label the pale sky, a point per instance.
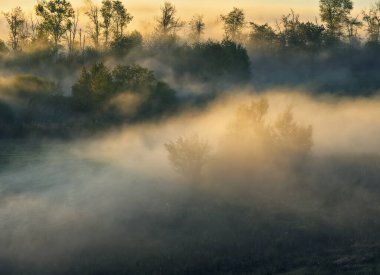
(144, 11)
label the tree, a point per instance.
(251, 129)
(3, 48)
(71, 33)
(94, 29)
(289, 136)
(188, 155)
(122, 45)
(197, 27)
(291, 34)
(312, 34)
(168, 22)
(121, 18)
(93, 88)
(106, 12)
(263, 36)
(300, 35)
(352, 26)
(57, 17)
(335, 13)
(234, 23)
(17, 27)
(133, 78)
(372, 20)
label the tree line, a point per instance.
(56, 22)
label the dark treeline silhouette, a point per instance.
(83, 63)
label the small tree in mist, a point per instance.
(197, 27)
(234, 23)
(290, 136)
(56, 17)
(249, 124)
(372, 21)
(168, 22)
(188, 155)
(18, 30)
(251, 129)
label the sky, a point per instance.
(145, 11)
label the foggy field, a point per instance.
(176, 151)
(114, 204)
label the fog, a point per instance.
(114, 203)
(210, 146)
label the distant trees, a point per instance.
(292, 34)
(96, 86)
(168, 22)
(212, 60)
(372, 21)
(234, 22)
(57, 16)
(300, 35)
(335, 14)
(197, 27)
(251, 128)
(109, 21)
(93, 13)
(263, 37)
(122, 45)
(17, 27)
(121, 18)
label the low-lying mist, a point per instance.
(285, 182)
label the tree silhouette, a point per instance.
(57, 17)
(372, 20)
(17, 27)
(168, 22)
(188, 155)
(251, 129)
(335, 13)
(234, 22)
(93, 14)
(197, 27)
(290, 136)
(121, 18)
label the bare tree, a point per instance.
(168, 22)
